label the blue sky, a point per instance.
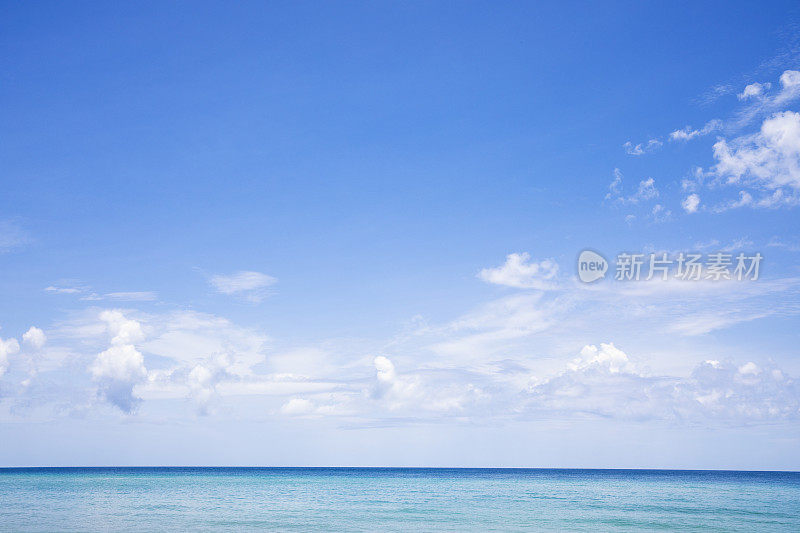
(281, 234)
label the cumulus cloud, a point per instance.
(34, 337)
(604, 382)
(769, 159)
(520, 272)
(417, 394)
(754, 89)
(247, 284)
(120, 368)
(725, 391)
(607, 356)
(7, 347)
(204, 377)
(298, 407)
(760, 102)
(691, 203)
(790, 88)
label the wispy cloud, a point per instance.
(133, 296)
(642, 148)
(687, 133)
(250, 285)
(12, 236)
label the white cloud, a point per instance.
(7, 347)
(691, 203)
(615, 187)
(12, 236)
(248, 284)
(608, 356)
(34, 337)
(754, 89)
(132, 296)
(661, 213)
(518, 271)
(790, 87)
(136, 296)
(642, 148)
(305, 407)
(646, 191)
(204, 378)
(62, 290)
(122, 330)
(769, 159)
(687, 133)
(702, 323)
(122, 363)
(746, 393)
(417, 394)
(604, 383)
(298, 407)
(763, 103)
(120, 368)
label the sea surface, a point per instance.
(395, 499)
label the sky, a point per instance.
(305, 233)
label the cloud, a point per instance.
(132, 296)
(137, 296)
(760, 102)
(691, 203)
(7, 347)
(121, 329)
(642, 148)
(519, 272)
(418, 394)
(62, 290)
(660, 213)
(12, 236)
(646, 191)
(204, 378)
(702, 323)
(754, 89)
(34, 337)
(608, 356)
(248, 284)
(769, 159)
(604, 382)
(790, 88)
(687, 133)
(298, 407)
(120, 368)
(742, 393)
(306, 407)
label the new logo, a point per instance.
(591, 266)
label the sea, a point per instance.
(395, 499)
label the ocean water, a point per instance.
(395, 499)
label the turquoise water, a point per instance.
(356, 499)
